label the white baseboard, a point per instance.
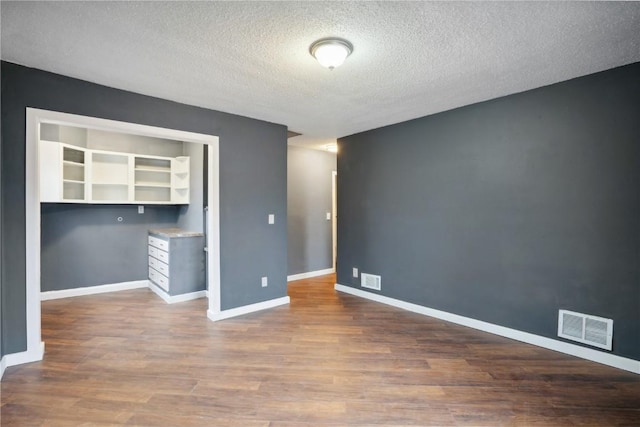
(124, 286)
(172, 299)
(91, 290)
(310, 274)
(246, 309)
(14, 359)
(3, 366)
(619, 362)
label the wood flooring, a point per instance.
(327, 359)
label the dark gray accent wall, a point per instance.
(309, 190)
(505, 211)
(253, 177)
(1, 271)
(86, 245)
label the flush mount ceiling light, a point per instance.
(333, 148)
(331, 52)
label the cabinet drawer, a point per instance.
(153, 275)
(153, 251)
(162, 256)
(153, 262)
(162, 268)
(163, 282)
(159, 243)
(159, 279)
(159, 265)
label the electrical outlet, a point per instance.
(140, 209)
(272, 219)
(265, 282)
(355, 272)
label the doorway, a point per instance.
(36, 117)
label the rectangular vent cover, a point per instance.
(370, 281)
(584, 328)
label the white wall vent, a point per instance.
(370, 281)
(584, 328)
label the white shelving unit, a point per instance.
(73, 174)
(152, 178)
(109, 177)
(70, 174)
(180, 179)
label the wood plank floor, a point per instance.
(328, 359)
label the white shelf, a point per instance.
(152, 185)
(73, 174)
(152, 169)
(70, 163)
(110, 183)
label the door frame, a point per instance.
(34, 117)
(334, 214)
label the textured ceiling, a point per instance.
(410, 59)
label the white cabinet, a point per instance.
(62, 172)
(70, 174)
(176, 260)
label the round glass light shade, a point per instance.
(331, 53)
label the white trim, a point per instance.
(213, 229)
(246, 309)
(334, 219)
(124, 286)
(91, 290)
(36, 116)
(3, 366)
(32, 223)
(310, 274)
(172, 299)
(28, 356)
(619, 362)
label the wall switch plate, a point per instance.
(140, 209)
(355, 272)
(265, 282)
(272, 219)
(328, 216)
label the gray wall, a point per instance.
(1, 271)
(85, 245)
(507, 210)
(252, 183)
(308, 201)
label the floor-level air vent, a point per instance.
(370, 281)
(584, 328)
